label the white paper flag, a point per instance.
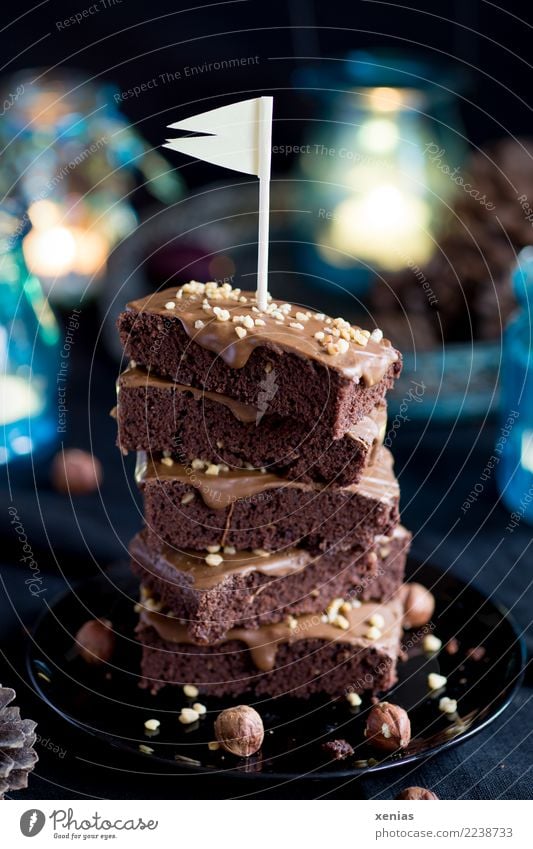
(240, 138)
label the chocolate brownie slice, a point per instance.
(158, 415)
(391, 553)
(196, 507)
(300, 656)
(287, 360)
(247, 590)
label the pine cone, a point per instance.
(17, 736)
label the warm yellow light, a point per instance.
(385, 99)
(366, 174)
(378, 135)
(58, 251)
(91, 252)
(43, 214)
(384, 225)
(387, 206)
(18, 399)
(50, 252)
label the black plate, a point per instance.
(107, 702)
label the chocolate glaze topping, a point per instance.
(367, 362)
(222, 490)
(263, 642)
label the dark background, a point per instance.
(131, 41)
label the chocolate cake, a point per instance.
(391, 552)
(159, 416)
(300, 656)
(215, 338)
(272, 557)
(247, 589)
(199, 506)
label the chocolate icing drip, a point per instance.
(369, 429)
(277, 564)
(219, 491)
(263, 642)
(369, 363)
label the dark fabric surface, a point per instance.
(437, 467)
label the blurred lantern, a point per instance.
(374, 170)
(29, 339)
(72, 159)
(64, 254)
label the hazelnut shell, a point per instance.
(76, 472)
(388, 727)
(95, 641)
(416, 793)
(240, 730)
(419, 605)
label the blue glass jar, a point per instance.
(514, 447)
(29, 347)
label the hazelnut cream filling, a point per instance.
(364, 626)
(369, 429)
(219, 486)
(208, 570)
(138, 378)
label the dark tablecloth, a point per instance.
(437, 467)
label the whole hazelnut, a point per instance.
(76, 472)
(388, 727)
(419, 605)
(239, 730)
(96, 641)
(414, 793)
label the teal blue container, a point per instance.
(514, 447)
(29, 351)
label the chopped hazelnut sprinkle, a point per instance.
(335, 338)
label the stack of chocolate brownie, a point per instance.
(272, 557)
